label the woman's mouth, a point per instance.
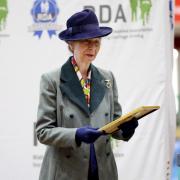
(90, 55)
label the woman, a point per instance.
(75, 100)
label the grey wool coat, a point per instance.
(62, 109)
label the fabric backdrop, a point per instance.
(139, 52)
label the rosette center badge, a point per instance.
(44, 13)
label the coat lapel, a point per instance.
(71, 87)
(97, 88)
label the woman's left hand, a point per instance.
(128, 128)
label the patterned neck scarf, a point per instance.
(85, 83)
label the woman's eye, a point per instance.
(97, 43)
(85, 41)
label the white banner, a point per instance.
(139, 52)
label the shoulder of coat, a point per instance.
(53, 75)
(105, 73)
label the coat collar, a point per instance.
(71, 87)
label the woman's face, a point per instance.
(85, 50)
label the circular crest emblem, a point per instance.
(44, 11)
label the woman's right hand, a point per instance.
(87, 134)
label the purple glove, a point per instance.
(87, 135)
(128, 128)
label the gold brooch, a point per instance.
(108, 83)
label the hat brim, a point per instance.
(101, 32)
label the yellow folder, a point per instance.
(135, 114)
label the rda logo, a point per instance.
(3, 13)
(144, 6)
(44, 13)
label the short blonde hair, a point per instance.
(69, 46)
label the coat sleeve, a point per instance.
(117, 110)
(46, 127)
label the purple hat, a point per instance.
(83, 25)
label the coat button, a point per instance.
(108, 153)
(68, 156)
(106, 114)
(71, 116)
(87, 115)
(107, 140)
